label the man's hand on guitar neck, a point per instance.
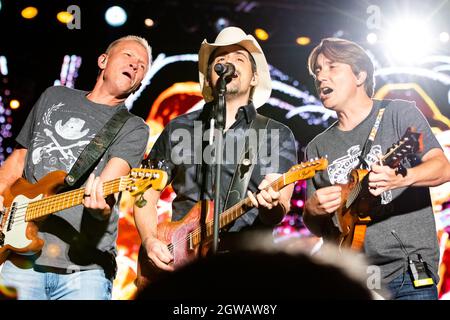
(272, 205)
(432, 171)
(94, 200)
(383, 178)
(267, 198)
(158, 253)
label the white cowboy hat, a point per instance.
(231, 36)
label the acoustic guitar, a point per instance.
(353, 215)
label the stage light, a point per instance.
(303, 41)
(0, 5)
(115, 16)
(444, 37)
(408, 40)
(14, 104)
(372, 38)
(261, 34)
(29, 12)
(149, 22)
(221, 23)
(3, 66)
(64, 17)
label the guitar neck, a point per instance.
(40, 208)
(298, 172)
(390, 159)
(231, 214)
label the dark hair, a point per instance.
(348, 52)
(255, 275)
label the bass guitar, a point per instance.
(26, 202)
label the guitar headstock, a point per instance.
(143, 179)
(410, 144)
(305, 170)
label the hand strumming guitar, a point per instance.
(158, 253)
(324, 201)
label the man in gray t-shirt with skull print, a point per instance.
(77, 260)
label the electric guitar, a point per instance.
(26, 202)
(353, 215)
(190, 237)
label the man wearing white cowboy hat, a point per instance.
(249, 87)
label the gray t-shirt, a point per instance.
(408, 211)
(60, 125)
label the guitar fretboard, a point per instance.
(233, 213)
(52, 204)
(390, 159)
(297, 172)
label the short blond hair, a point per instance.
(142, 41)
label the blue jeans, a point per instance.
(402, 288)
(34, 285)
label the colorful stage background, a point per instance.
(37, 52)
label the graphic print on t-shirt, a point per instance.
(60, 143)
(339, 169)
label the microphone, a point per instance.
(225, 69)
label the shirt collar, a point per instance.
(248, 111)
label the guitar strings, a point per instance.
(59, 199)
(198, 230)
(209, 224)
(355, 192)
(56, 199)
(73, 193)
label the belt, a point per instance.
(27, 262)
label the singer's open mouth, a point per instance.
(326, 90)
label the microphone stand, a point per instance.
(219, 111)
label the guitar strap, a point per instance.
(372, 135)
(92, 153)
(248, 159)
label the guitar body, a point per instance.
(185, 249)
(357, 202)
(191, 237)
(352, 222)
(18, 235)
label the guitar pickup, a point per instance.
(191, 242)
(11, 216)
